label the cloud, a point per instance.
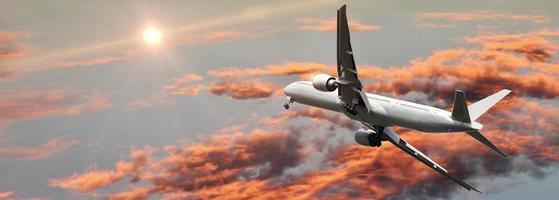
(279, 160)
(95, 178)
(534, 46)
(239, 165)
(218, 160)
(483, 15)
(90, 62)
(72, 59)
(156, 99)
(478, 72)
(184, 86)
(243, 89)
(190, 85)
(287, 68)
(313, 113)
(134, 193)
(22, 105)
(9, 47)
(4, 195)
(51, 147)
(433, 25)
(329, 25)
(226, 35)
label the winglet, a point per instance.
(460, 109)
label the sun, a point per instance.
(152, 35)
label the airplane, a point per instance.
(378, 114)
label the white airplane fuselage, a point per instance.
(386, 111)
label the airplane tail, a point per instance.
(467, 114)
(478, 108)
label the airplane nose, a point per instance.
(289, 90)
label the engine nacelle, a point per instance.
(368, 137)
(324, 82)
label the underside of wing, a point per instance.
(346, 63)
(395, 139)
(350, 88)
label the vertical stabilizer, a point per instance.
(460, 109)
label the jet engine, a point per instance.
(368, 137)
(324, 82)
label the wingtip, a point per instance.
(503, 154)
(474, 189)
(470, 188)
(343, 7)
(500, 152)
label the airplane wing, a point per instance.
(350, 88)
(395, 139)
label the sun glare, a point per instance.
(152, 35)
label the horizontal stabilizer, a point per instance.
(479, 137)
(460, 109)
(478, 108)
(395, 139)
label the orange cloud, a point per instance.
(90, 62)
(132, 194)
(287, 68)
(271, 164)
(184, 86)
(226, 35)
(248, 89)
(220, 159)
(478, 72)
(533, 46)
(433, 25)
(323, 25)
(358, 172)
(313, 113)
(95, 178)
(188, 86)
(483, 15)
(22, 105)
(9, 49)
(4, 195)
(48, 149)
(236, 166)
(156, 99)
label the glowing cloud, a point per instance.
(323, 25)
(48, 149)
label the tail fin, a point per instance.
(478, 108)
(463, 113)
(460, 110)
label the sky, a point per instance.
(183, 99)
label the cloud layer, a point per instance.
(329, 25)
(48, 149)
(256, 164)
(304, 160)
(22, 105)
(483, 15)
